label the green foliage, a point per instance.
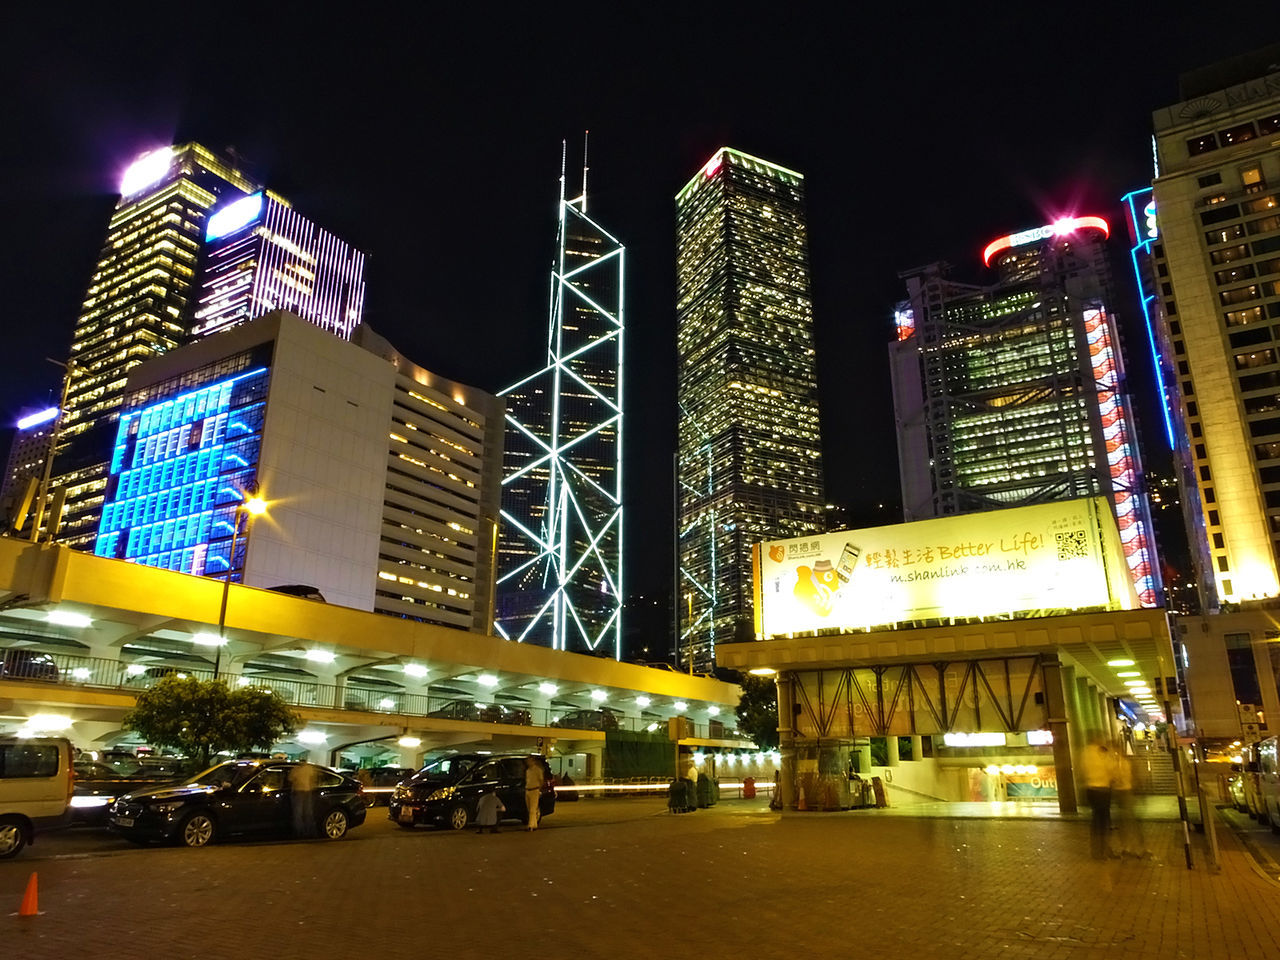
(204, 717)
(758, 711)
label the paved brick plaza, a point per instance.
(624, 879)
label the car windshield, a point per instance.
(442, 769)
(222, 773)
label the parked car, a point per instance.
(98, 784)
(239, 797)
(444, 792)
(480, 712)
(1268, 753)
(21, 664)
(600, 719)
(36, 777)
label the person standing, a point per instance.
(302, 799)
(533, 781)
(1098, 765)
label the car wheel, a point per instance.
(197, 830)
(458, 817)
(13, 837)
(335, 824)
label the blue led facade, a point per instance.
(179, 468)
(1144, 232)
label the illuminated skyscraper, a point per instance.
(1217, 299)
(560, 569)
(1013, 394)
(261, 255)
(137, 307)
(749, 459)
(382, 478)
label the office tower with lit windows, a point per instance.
(28, 452)
(749, 461)
(262, 255)
(1012, 393)
(137, 307)
(560, 577)
(381, 478)
(1216, 297)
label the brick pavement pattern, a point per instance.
(623, 879)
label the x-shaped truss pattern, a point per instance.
(560, 559)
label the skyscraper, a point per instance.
(382, 478)
(1012, 393)
(560, 570)
(137, 307)
(1217, 262)
(262, 255)
(749, 459)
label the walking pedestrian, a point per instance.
(1129, 839)
(533, 781)
(487, 809)
(1098, 764)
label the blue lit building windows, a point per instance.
(179, 468)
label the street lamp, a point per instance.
(254, 506)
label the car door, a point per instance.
(487, 776)
(511, 789)
(261, 805)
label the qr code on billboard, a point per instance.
(1072, 544)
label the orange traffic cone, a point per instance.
(29, 906)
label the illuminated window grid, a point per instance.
(178, 470)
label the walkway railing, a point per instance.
(106, 674)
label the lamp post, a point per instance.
(253, 506)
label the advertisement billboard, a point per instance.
(1021, 561)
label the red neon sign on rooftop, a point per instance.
(1059, 228)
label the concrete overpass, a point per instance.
(112, 628)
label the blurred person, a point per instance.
(1129, 839)
(1098, 767)
(533, 780)
(487, 809)
(302, 799)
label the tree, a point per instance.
(204, 717)
(758, 711)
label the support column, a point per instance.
(891, 751)
(917, 747)
(786, 741)
(1055, 710)
(863, 746)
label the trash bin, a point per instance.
(748, 788)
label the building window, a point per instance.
(1210, 179)
(1251, 177)
(1269, 125)
(1204, 144)
(1193, 410)
(1204, 474)
(1213, 518)
(1209, 496)
(1200, 451)
(1222, 564)
(1237, 134)
(1217, 542)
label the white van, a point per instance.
(36, 780)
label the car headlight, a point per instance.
(401, 793)
(167, 807)
(444, 793)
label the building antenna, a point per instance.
(564, 153)
(586, 134)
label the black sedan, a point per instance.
(98, 784)
(242, 798)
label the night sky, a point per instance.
(432, 141)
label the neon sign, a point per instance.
(233, 216)
(146, 170)
(35, 419)
(1059, 228)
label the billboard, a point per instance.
(1021, 561)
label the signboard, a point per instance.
(1052, 556)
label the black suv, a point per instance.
(444, 792)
